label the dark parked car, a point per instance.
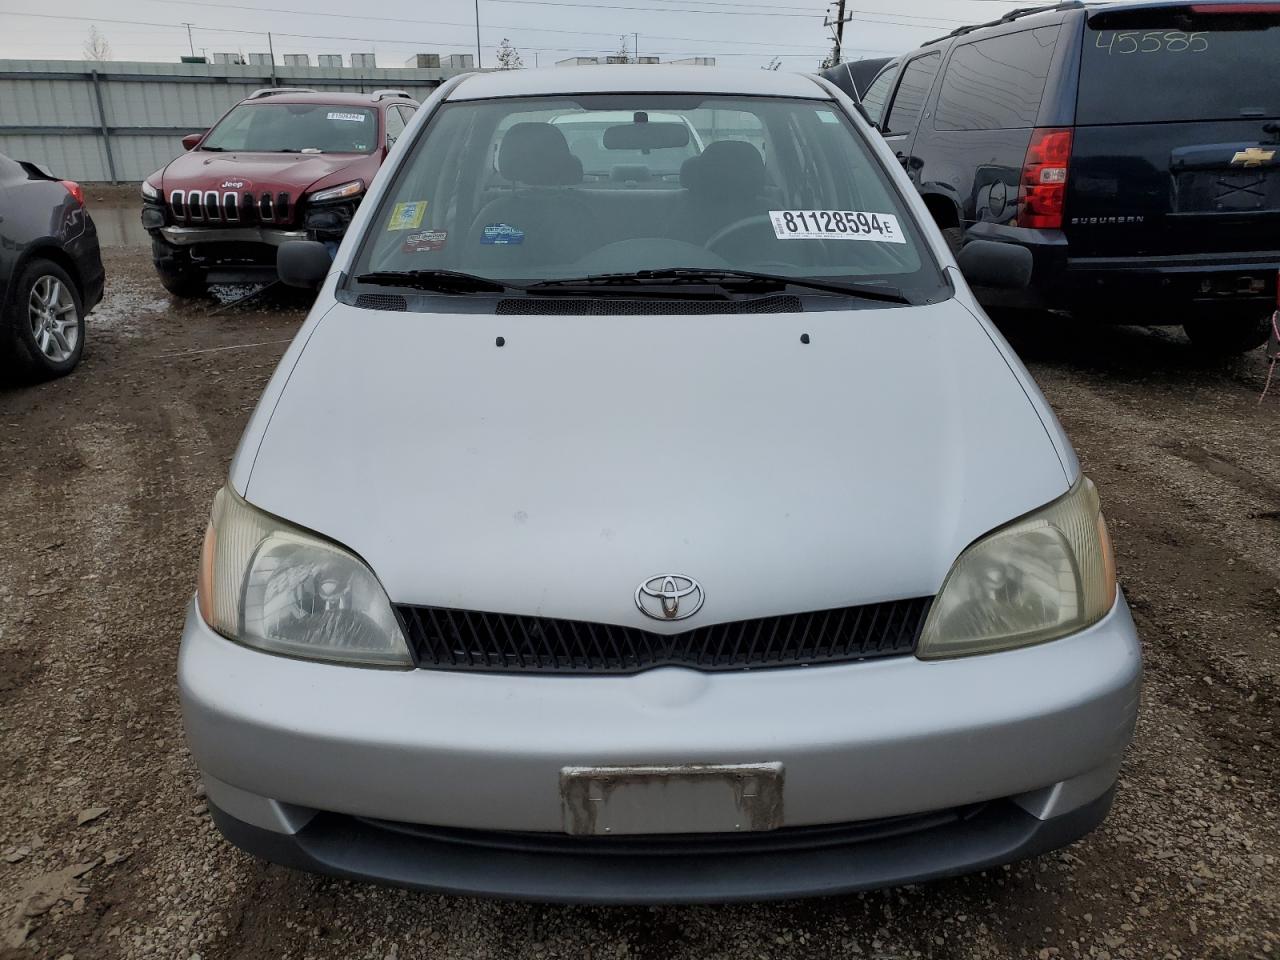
(854, 76)
(283, 164)
(1133, 147)
(50, 270)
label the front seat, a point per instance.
(723, 184)
(541, 220)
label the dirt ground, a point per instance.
(107, 849)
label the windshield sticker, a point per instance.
(424, 242)
(502, 234)
(349, 117)
(836, 225)
(407, 216)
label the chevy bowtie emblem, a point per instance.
(1253, 157)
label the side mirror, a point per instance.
(986, 263)
(190, 141)
(303, 263)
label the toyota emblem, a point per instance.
(669, 596)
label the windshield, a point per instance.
(532, 189)
(294, 128)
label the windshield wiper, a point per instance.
(214, 149)
(728, 279)
(443, 281)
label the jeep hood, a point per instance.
(555, 473)
(292, 173)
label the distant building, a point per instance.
(228, 58)
(617, 58)
(193, 60)
(329, 60)
(695, 62)
(461, 61)
(424, 61)
(261, 59)
(297, 60)
(578, 62)
(649, 60)
(363, 60)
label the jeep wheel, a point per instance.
(1225, 336)
(175, 272)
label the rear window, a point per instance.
(997, 83)
(1180, 64)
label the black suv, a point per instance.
(1134, 148)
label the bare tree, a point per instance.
(774, 64)
(624, 49)
(508, 57)
(96, 47)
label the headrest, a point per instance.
(538, 154)
(726, 168)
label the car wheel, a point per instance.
(178, 279)
(44, 322)
(1223, 336)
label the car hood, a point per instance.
(256, 172)
(553, 474)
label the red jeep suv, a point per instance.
(283, 164)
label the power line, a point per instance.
(469, 25)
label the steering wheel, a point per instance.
(738, 226)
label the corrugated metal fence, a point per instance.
(121, 121)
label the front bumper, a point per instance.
(310, 753)
(189, 236)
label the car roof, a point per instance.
(636, 78)
(340, 99)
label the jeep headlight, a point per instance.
(1046, 575)
(150, 192)
(345, 191)
(270, 585)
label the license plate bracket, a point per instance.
(681, 798)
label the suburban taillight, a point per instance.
(75, 190)
(1044, 179)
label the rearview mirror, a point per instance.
(986, 263)
(303, 263)
(191, 139)
(646, 136)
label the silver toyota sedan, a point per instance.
(647, 512)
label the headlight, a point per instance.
(343, 192)
(1044, 576)
(149, 192)
(272, 586)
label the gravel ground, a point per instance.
(107, 850)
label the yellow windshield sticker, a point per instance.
(407, 216)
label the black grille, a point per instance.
(382, 301)
(629, 306)
(445, 639)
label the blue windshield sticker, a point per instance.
(502, 234)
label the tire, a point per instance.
(1227, 336)
(189, 286)
(43, 323)
(179, 279)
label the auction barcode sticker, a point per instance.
(836, 225)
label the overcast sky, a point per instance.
(740, 34)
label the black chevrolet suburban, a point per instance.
(1133, 147)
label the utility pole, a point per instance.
(838, 23)
(478, 34)
(271, 47)
(190, 43)
(635, 48)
